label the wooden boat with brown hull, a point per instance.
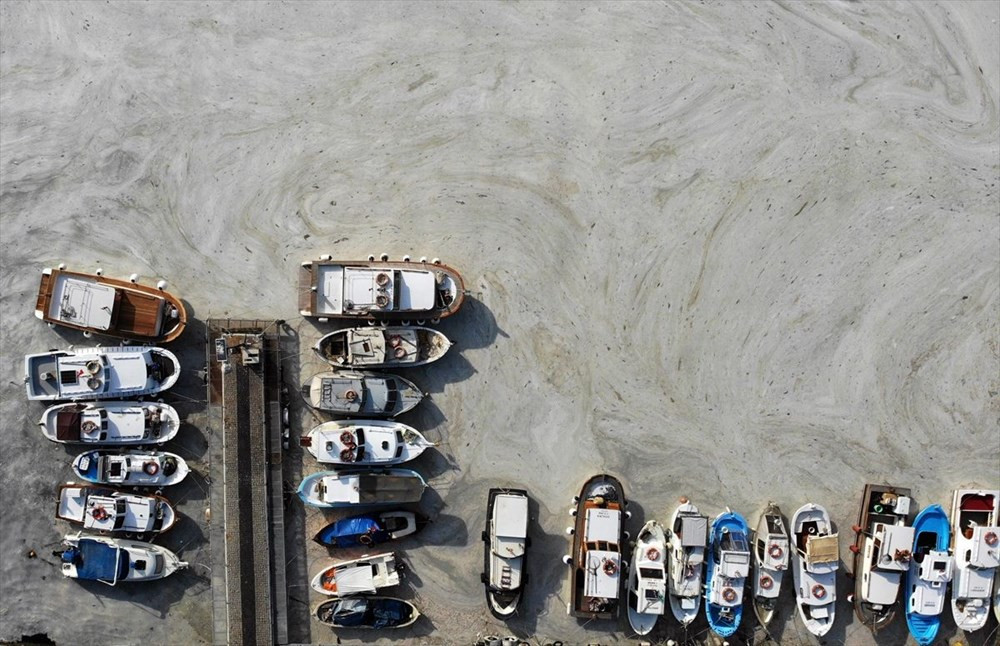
(379, 290)
(598, 540)
(882, 553)
(97, 304)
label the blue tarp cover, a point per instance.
(348, 532)
(96, 561)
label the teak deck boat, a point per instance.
(117, 308)
(379, 289)
(596, 560)
(882, 553)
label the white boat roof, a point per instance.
(342, 489)
(355, 578)
(895, 539)
(597, 582)
(510, 524)
(82, 302)
(356, 289)
(603, 525)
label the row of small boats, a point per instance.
(896, 561)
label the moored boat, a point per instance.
(930, 570)
(379, 290)
(364, 442)
(976, 546)
(110, 423)
(363, 575)
(135, 468)
(815, 559)
(367, 612)
(382, 347)
(596, 560)
(370, 529)
(687, 537)
(350, 488)
(103, 509)
(505, 545)
(100, 373)
(770, 557)
(647, 578)
(882, 552)
(115, 560)
(361, 394)
(117, 308)
(726, 571)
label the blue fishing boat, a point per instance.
(370, 529)
(728, 566)
(351, 488)
(930, 571)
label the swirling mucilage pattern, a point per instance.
(741, 252)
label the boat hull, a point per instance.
(99, 373)
(685, 586)
(503, 601)
(110, 423)
(770, 562)
(599, 596)
(84, 505)
(361, 394)
(134, 312)
(724, 620)
(358, 443)
(389, 347)
(373, 488)
(876, 618)
(647, 594)
(324, 290)
(394, 614)
(931, 523)
(816, 605)
(975, 514)
(131, 468)
(364, 530)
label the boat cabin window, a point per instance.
(140, 564)
(653, 595)
(650, 573)
(67, 377)
(361, 437)
(734, 542)
(399, 451)
(159, 563)
(361, 453)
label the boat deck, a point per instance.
(139, 314)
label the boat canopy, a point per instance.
(376, 613)
(510, 523)
(603, 525)
(354, 578)
(350, 532)
(83, 302)
(693, 531)
(389, 488)
(97, 561)
(822, 549)
(601, 579)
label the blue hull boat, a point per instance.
(727, 568)
(929, 573)
(370, 529)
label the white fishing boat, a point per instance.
(976, 536)
(815, 560)
(364, 575)
(115, 560)
(382, 347)
(379, 289)
(136, 468)
(350, 488)
(110, 423)
(647, 578)
(882, 552)
(770, 557)
(361, 394)
(687, 537)
(505, 543)
(364, 442)
(100, 373)
(107, 510)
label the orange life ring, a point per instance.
(99, 513)
(88, 427)
(818, 591)
(365, 539)
(395, 340)
(991, 538)
(610, 568)
(400, 352)
(347, 439)
(347, 455)
(351, 395)
(766, 582)
(382, 300)
(151, 468)
(729, 595)
(653, 554)
(775, 551)
(382, 279)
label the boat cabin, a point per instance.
(89, 423)
(733, 555)
(933, 574)
(888, 557)
(352, 395)
(358, 291)
(365, 576)
(508, 541)
(600, 558)
(369, 489)
(691, 532)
